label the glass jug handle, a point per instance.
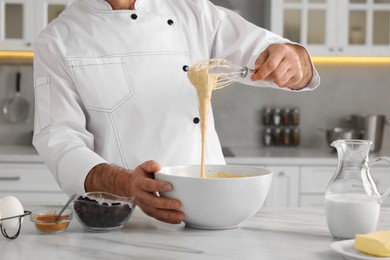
(375, 161)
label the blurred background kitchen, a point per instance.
(330, 29)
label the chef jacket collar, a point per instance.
(103, 5)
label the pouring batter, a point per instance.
(204, 83)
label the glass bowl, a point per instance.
(45, 220)
(102, 212)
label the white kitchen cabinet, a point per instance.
(335, 27)
(313, 183)
(22, 20)
(47, 10)
(284, 189)
(16, 24)
(31, 183)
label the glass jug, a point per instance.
(352, 200)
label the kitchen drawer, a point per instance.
(26, 177)
(284, 191)
(315, 179)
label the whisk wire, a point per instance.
(227, 72)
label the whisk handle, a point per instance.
(246, 71)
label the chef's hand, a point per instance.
(145, 187)
(139, 183)
(286, 65)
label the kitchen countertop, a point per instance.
(282, 156)
(233, 155)
(278, 233)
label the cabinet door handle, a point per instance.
(11, 178)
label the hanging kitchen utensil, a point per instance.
(17, 108)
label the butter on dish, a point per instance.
(375, 243)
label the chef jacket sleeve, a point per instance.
(60, 134)
(241, 42)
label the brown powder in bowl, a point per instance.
(48, 224)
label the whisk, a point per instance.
(227, 71)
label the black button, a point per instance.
(196, 120)
(170, 22)
(186, 68)
(134, 16)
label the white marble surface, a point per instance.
(272, 234)
(242, 155)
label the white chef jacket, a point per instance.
(111, 85)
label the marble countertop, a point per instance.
(273, 233)
(233, 155)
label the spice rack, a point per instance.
(281, 126)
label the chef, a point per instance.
(113, 101)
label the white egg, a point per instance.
(10, 207)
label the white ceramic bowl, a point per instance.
(217, 203)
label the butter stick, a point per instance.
(375, 243)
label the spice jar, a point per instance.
(277, 137)
(276, 116)
(267, 116)
(295, 136)
(267, 137)
(286, 117)
(295, 114)
(286, 137)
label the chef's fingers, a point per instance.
(260, 60)
(163, 209)
(283, 79)
(281, 74)
(145, 188)
(292, 82)
(144, 178)
(151, 199)
(267, 63)
(168, 216)
(150, 166)
(151, 185)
